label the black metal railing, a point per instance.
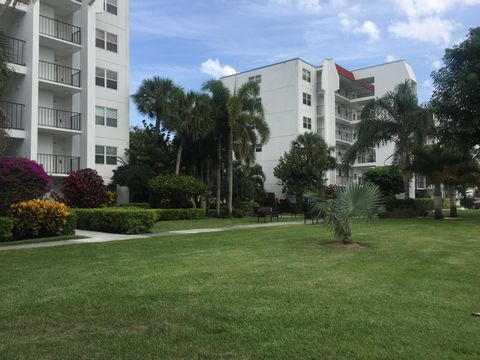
(15, 113)
(13, 49)
(59, 74)
(59, 164)
(60, 30)
(59, 118)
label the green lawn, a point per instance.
(40, 240)
(271, 293)
(211, 222)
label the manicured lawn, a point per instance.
(272, 293)
(40, 240)
(211, 222)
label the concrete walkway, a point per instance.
(94, 237)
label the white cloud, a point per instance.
(429, 29)
(213, 68)
(390, 58)
(413, 8)
(427, 83)
(436, 64)
(312, 6)
(368, 27)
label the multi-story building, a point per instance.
(299, 97)
(68, 104)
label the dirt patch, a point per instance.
(354, 246)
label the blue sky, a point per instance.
(191, 41)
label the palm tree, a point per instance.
(154, 98)
(395, 117)
(189, 119)
(351, 202)
(246, 128)
(249, 181)
(219, 95)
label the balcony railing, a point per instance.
(60, 30)
(15, 113)
(366, 158)
(59, 74)
(344, 180)
(344, 136)
(13, 49)
(59, 119)
(59, 164)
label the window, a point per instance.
(259, 100)
(106, 41)
(307, 123)
(307, 99)
(256, 78)
(106, 78)
(106, 155)
(258, 148)
(111, 6)
(306, 75)
(106, 116)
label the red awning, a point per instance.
(345, 73)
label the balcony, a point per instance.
(344, 180)
(64, 38)
(15, 114)
(54, 76)
(64, 7)
(344, 136)
(14, 50)
(366, 158)
(59, 164)
(59, 119)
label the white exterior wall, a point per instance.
(28, 90)
(282, 88)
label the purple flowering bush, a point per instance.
(21, 180)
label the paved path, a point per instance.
(94, 237)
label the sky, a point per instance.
(191, 41)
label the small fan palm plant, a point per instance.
(351, 202)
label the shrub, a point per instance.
(38, 218)
(178, 214)
(424, 206)
(70, 225)
(406, 208)
(6, 227)
(172, 191)
(21, 180)
(84, 189)
(135, 205)
(116, 220)
(245, 208)
(387, 178)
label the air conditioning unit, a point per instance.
(354, 96)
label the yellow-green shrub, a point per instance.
(38, 218)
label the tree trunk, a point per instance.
(219, 176)
(230, 173)
(347, 238)
(203, 198)
(406, 185)
(438, 202)
(453, 202)
(179, 157)
(207, 181)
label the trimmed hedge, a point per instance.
(6, 227)
(70, 225)
(406, 208)
(134, 205)
(178, 214)
(116, 220)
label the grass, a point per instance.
(40, 240)
(211, 222)
(276, 293)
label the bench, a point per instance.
(265, 212)
(310, 215)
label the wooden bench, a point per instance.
(310, 215)
(266, 212)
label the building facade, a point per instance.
(68, 104)
(300, 97)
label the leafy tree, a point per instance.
(303, 167)
(247, 127)
(173, 191)
(84, 189)
(136, 178)
(155, 98)
(387, 178)
(249, 181)
(351, 202)
(456, 92)
(395, 117)
(190, 119)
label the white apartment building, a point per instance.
(69, 102)
(300, 97)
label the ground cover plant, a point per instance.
(279, 293)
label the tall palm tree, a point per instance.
(351, 202)
(249, 181)
(219, 95)
(395, 117)
(189, 119)
(155, 98)
(246, 128)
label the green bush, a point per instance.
(134, 205)
(424, 206)
(406, 208)
(446, 203)
(70, 225)
(178, 214)
(245, 208)
(6, 227)
(116, 220)
(387, 178)
(173, 192)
